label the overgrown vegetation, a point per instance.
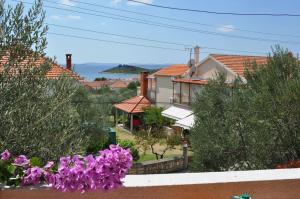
(154, 135)
(38, 116)
(250, 126)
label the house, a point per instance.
(133, 108)
(160, 84)
(55, 71)
(199, 73)
(118, 84)
(96, 85)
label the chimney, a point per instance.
(197, 55)
(144, 83)
(69, 61)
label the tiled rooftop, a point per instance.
(118, 84)
(237, 62)
(172, 70)
(54, 73)
(134, 105)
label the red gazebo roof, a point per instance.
(134, 105)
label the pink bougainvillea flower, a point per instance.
(5, 155)
(77, 173)
(91, 173)
(49, 165)
(32, 176)
(21, 160)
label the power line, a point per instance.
(181, 20)
(116, 42)
(218, 13)
(145, 39)
(119, 35)
(163, 25)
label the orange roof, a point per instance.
(237, 62)
(191, 81)
(119, 84)
(136, 104)
(96, 84)
(173, 70)
(54, 73)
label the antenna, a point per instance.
(189, 49)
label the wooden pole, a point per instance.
(131, 122)
(116, 117)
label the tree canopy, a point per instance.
(38, 116)
(252, 124)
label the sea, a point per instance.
(90, 71)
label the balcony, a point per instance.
(260, 184)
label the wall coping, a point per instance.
(210, 177)
(154, 180)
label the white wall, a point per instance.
(210, 68)
(164, 91)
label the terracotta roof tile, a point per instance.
(172, 70)
(96, 84)
(119, 84)
(136, 104)
(55, 72)
(237, 62)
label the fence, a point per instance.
(167, 165)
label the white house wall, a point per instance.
(164, 91)
(210, 68)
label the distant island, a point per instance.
(128, 69)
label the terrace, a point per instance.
(260, 184)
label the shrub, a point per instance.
(77, 173)
(127, 144)
(250, 126)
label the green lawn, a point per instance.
(123, 134)
(126, 135)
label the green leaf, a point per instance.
(11, 169)
(35, 161)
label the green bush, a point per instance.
(249, 126)
(127, 144)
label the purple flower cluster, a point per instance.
(22, 160)
(91, 173)
(5, 155)
(78, 173)
(32, 176)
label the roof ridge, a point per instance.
(216, 54)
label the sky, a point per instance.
(86, 50)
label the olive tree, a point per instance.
(37, 116)
(252, 124)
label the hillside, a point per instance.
(129, 69)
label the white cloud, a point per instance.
(67, 2)
(139, 4)
(55, 17)
(115, 2)
(74, 17)
(226, 28)
(64, 18)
